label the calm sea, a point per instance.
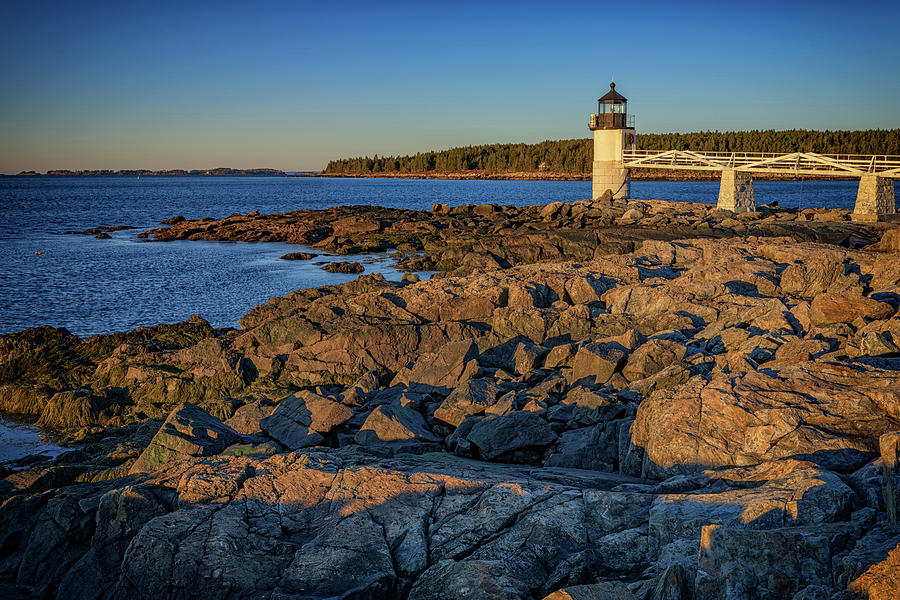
(96, 286)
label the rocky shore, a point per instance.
(596, 400)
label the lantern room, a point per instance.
(611, 111)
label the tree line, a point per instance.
(576, 156)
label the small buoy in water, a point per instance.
(37, 252)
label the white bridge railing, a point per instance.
(796, 163)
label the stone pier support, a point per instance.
(736, 192)
(875, 200)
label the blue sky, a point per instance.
(291, 85)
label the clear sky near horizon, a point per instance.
(290, 85)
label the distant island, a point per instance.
(572, 159)
(151, 173)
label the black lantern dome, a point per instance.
(612, 100)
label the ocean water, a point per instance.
(95, 286)
(18, 441)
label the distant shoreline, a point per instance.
(217, 172)
(636, 175)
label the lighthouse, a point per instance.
(613, 133)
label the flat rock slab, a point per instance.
(188, 431)
(471, 398)
(394, 423)
(498, 435)
(302, 420)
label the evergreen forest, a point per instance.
(575, 156)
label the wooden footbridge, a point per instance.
(875, 199)
(795, 163)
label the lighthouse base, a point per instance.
(610, 176)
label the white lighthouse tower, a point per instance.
(613, 133)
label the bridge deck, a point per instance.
(795, 163)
